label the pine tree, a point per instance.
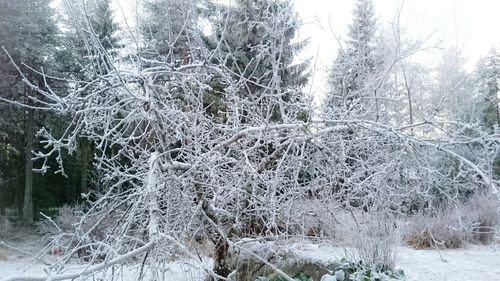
(253, 41)
(262, 61)
(487, 88)
(170, 31)
(91, 40)
(28, 32)
(355, 65)
(489, 80)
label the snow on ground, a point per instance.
(478, 263)
(475, 263)
(177, 271)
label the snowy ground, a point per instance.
(476, 263)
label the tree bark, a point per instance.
(498, 109)
(221, 265)
(408, 92)
(85, 147)
(221, 258)
(28, 170)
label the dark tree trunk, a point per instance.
(84, 172)
(408, 92)
(28, 168)
(221, 258)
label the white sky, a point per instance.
(471, 25)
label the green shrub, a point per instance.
(277, 277)
(357, 271)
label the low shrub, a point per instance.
(482, 215)
(292, 262)
(359, 271)
(5, 227)
(441, 231)
(277, 277)
(474, 221)
(64, 220)
(375, 241)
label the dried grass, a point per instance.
(375, 240)
(472, 222)
(6, 228)
(3, 255)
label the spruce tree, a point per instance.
(170, 31)
(263, 62)
(353, 96)
(354, 66)
(91, 40)
(490, 74)
(487, 88)
(28, 32)
(253, 41)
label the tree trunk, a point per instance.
(84, 172)
(28, 178)
(498, 109)
(408, 92)
(221, 258)
(221, 252)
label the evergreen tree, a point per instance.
(489, 73)
(487, 87)
(91, 40)
(354, 95)
(354, 66)
(90, 45)
(103, 25)
(170, 31)
(263, 62)
(253, 41)
(28, 31)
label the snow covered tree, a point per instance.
(168, 165)
(404, 83)
(171, 31)
(171, 172)
(353, 96)
(263, 61)
(487, 82)
(355, 66)
(91, 40)
(387, 92)
(89, 47)
(487, 103)
(453, 95)
(28, 33)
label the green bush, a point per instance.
(277, 277)
(357, 271)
